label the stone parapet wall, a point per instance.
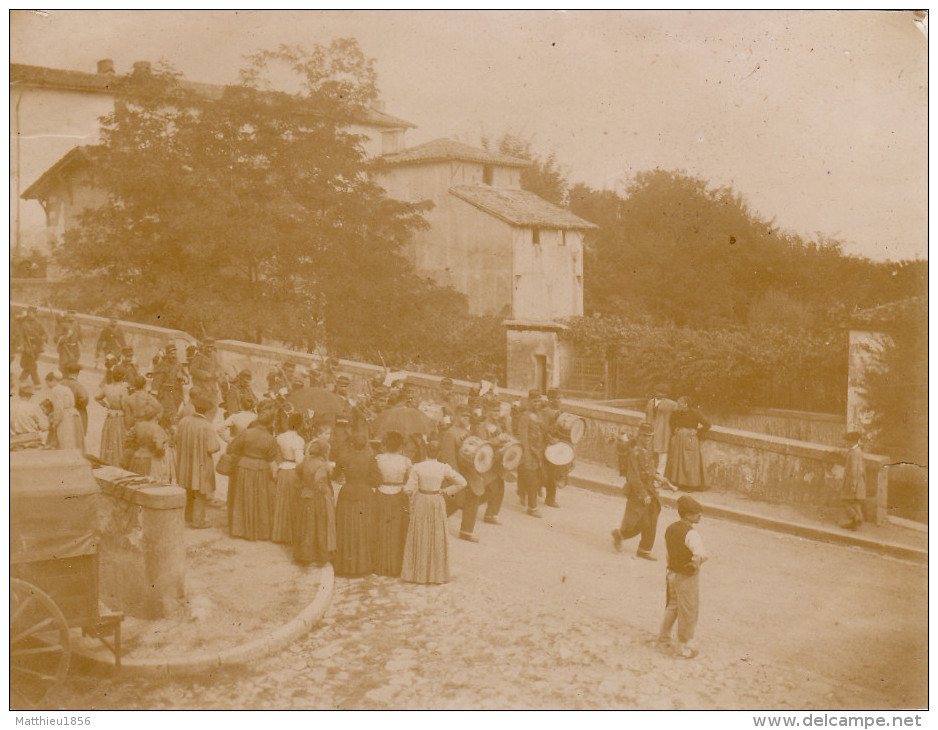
(765, 467)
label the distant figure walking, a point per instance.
(685, 554)
(853, 491)
(658, 413)
(685, 468)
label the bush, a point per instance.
(726, 368)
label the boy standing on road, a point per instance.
(853, 491)
(685, 554)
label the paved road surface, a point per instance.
(543, 614)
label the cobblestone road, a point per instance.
(543, 614)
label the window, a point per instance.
(487, 174)
(535, 235)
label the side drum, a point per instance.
(559, 453)
(478, 454)
(571, 428)
(510, 455)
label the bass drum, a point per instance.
(571, 428)
(559, 454)
(477, 454)
(509, 455)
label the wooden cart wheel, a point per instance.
(39, 645)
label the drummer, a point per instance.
(532, 436)
(553, 475)
(491, 429)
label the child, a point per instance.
(685, 554)
(853, 491)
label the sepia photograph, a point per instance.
(469, 360)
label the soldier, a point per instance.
(643, 506)
(32, 338)
(127, 366)
(207, 373)
(69, 344)
(240, 397)
(553, 476)
(110, 341)
(168, 379)
(532, 438)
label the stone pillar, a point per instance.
(164, 546)
(143, 547)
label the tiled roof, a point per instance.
(74, 157)
(519, 207)
(56, 78)
(450, 149)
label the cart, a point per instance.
(53, 570)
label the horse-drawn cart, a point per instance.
(53, 570)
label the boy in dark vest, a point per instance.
(685, 554)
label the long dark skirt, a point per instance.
(390, 532)
(283, 505)
(685, 462)
(250, 509)
(315, 529)
(353, 526)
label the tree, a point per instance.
(545, 177)
(253, 214)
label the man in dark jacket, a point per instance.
(643, 506)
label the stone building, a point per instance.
(513, 254)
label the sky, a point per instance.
(819, 118)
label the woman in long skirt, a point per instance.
(113, 396)
(315, 540)
(354, 508)
(284, 492)
(68, 430)
(391, 507)
(426, 552)
(248, 499)
(685, 468)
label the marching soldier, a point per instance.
(207, 374)
(168, 379)
(240, 397)
(32, 338)
(553, 475)
(532, 437)
(110, 341)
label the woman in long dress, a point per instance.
(69, 432)
(315, 540)
(284, 492)
(426, 552)
(354, 508)
(113, 396)
(391, 507)
(685, 468)
(248, 488)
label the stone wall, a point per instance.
(760, 466)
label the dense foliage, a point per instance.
(896, 387)
(725, 368)
(254, 215)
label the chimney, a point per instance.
(106, 66)
(141, 68)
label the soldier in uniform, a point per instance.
(32, 338)
(553, 476)
(69, 343)
(168, 380)
(110, 341)
(207, 373)
(532, 438)
(240, 397)
(127, 366)
(643, 506)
